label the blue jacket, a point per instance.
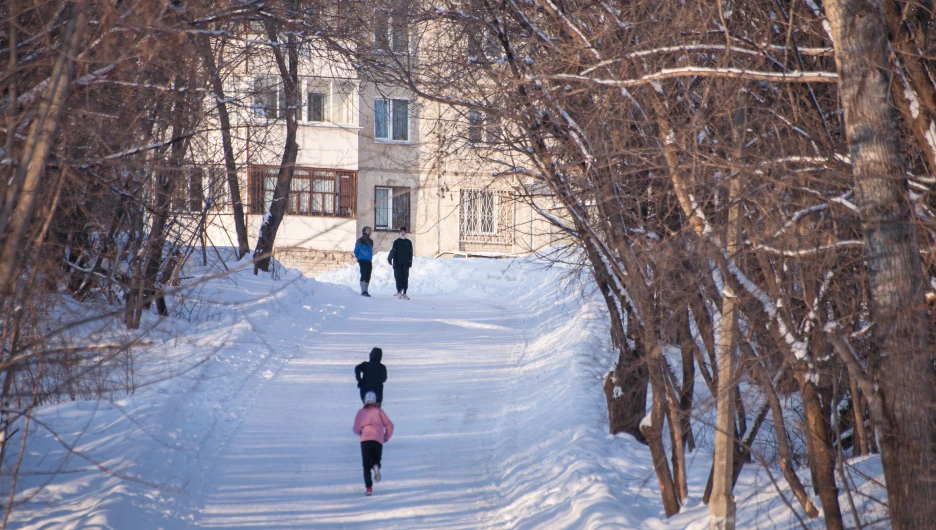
(362, 251)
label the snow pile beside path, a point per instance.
(429, 276)
(561, 469)
(133, 462)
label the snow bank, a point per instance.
(430, 276)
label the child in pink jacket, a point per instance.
(375, 429)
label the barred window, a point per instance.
(485, 216)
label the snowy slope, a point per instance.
(494, 387)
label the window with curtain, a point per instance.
(312, 191)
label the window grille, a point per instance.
(485, 216)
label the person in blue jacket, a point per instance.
(364, 252)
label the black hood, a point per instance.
(375, 355)
(364, 231)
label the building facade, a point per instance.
(368, 156)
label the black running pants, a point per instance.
(401, 275)
(366, 267)
(370, 455)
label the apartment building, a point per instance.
(367, 156)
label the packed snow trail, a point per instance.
(245, 399)
(296, 464)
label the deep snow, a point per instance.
(494, 386)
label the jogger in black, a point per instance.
(401, 275)
(401, 258)
(371, 452)
(371, 375)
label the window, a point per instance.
(382, 29)
(330, 100)
(217, 187)
(391, 32)
(479, 212)
(400, 36)
(188, 195)
(483, 128)
(391, 208)
(269, 98)
(201, 187)
(485, 216)
(391, 119)
(475, 131)
(314, 192)
(343, 109)
(315, 111)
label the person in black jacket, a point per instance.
(401, 258)
(371, 375)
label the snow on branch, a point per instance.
(699, 71)
(848, 243)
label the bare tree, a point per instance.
(901, 326)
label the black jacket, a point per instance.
(401, 255)
(371, 375)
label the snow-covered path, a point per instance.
(244, 404)
(295, 463)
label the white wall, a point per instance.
(315, 233)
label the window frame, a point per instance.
(188, 190)
(393, 192)
(274, 84)
(390, 104)
(484, 130)
(301, 201)
(387, 27)
(472, 215)
(330, 88)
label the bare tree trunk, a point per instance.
(290, 76)
(227, 145)
(783, 445)
(901, 329)
(653, 431)
(722, 506)
(688, 381)
(31, 168)
(860, 436)
(820, 454)
(11, 111)
(626, 385)
(677, 441)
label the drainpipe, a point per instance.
(439, 214)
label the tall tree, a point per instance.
(901, 328)
(286, 54)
